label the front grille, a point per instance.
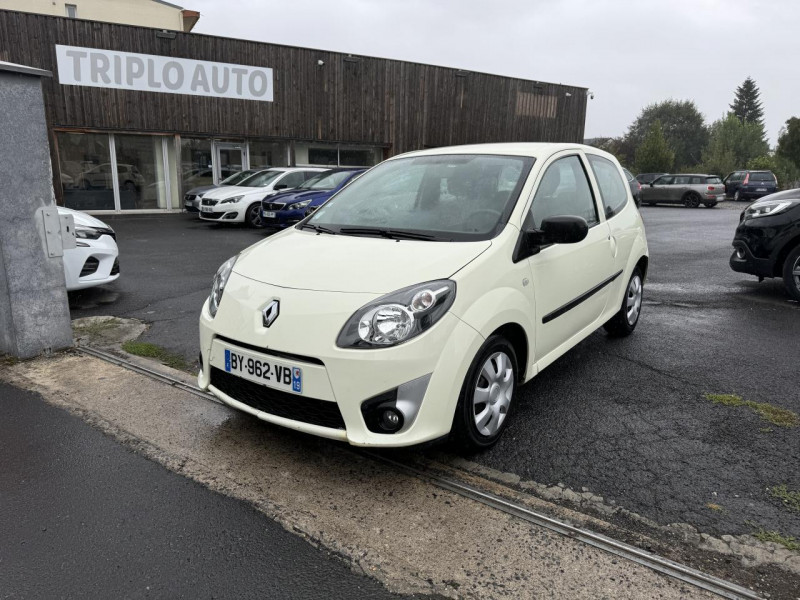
(211, 215)
(207, 202)
(89, 267)
(272, 205)
(115, 267)
(275, 402)
(287, 355)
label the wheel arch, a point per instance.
(518, 338)
(780, 258)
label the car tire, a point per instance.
(737, 196)
(709, 204)
(624, 322)
(791, 273)
(691, 200)
(492, 377)
(253, 215)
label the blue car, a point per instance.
(290, 207)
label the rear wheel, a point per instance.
(791, 273)
(624, 322)
(737, 196)
(691, 200)
(487, 395)
(253, 215)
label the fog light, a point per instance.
(391, 420)
(740, 253)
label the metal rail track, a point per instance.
(688, 575)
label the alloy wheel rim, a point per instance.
(255, 216)
(491, 398)
(633, 300)
(796, 273)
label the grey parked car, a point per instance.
(691, 190)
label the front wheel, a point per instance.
(791, 273)
(487, 395)
(737, 196)
(253, 215)
(624, 322)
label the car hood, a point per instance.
(309, 195)
(340, 263)
(204, 188)
(229, 191)
(82, 219)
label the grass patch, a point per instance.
(714, 507)
(7, 360)
(148, 350)
(789, 498)
(97, 327)
(781, 417)
(786, 541)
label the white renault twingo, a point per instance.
(416, 300)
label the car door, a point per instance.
(680, 184)
(658, 191)
(570, 281)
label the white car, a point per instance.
(96, 259)
(415, 301)
(242, 203)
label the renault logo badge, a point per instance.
(270, 313)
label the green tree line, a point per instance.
(672, 136)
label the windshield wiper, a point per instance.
(392, 234)
(317, 228)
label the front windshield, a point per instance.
(443, 197)
(260, 179)
(236, 178)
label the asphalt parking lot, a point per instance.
(626, 419)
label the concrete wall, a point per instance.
(34, 311)
(147, 13)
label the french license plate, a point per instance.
(267, 214)
(761, 189)
(207, 209)
(265, 372)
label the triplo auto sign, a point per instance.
(150, 73)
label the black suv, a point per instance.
(767, 241)
(749, 185)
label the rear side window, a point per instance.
(564, 190)
(613, 190)
(681, 180)
(762, 177)
(697, 180)
(713, 180)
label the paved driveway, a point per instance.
(625, 419)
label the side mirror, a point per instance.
(566, 229)
(280, 186)
(652, 183)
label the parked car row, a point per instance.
(693, 189)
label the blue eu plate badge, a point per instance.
(297, 381)
(228, 361)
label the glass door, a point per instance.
(228, 159)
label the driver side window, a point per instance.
(564, 190)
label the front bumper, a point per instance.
(282, 218)
(743, 261)
(306, 331)
(222, 213)
(105, 270)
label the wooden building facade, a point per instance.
(326, 108)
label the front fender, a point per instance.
(517, 308)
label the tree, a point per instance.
(789, 141)
(732, 145)
(654, 155)
(683, 126)
(746, 104)
(786, 171)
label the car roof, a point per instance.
(532, 149)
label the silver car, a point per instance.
(691, 190)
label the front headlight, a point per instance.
(232, 200)
(399, 316)
(299, 205)
(88, 233)
(218, 287)
(767, 208)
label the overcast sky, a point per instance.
(629, 53)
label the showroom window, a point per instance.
(140, 172)
(196, 166)
(86, 171)
(333, 155)
(268, 154)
